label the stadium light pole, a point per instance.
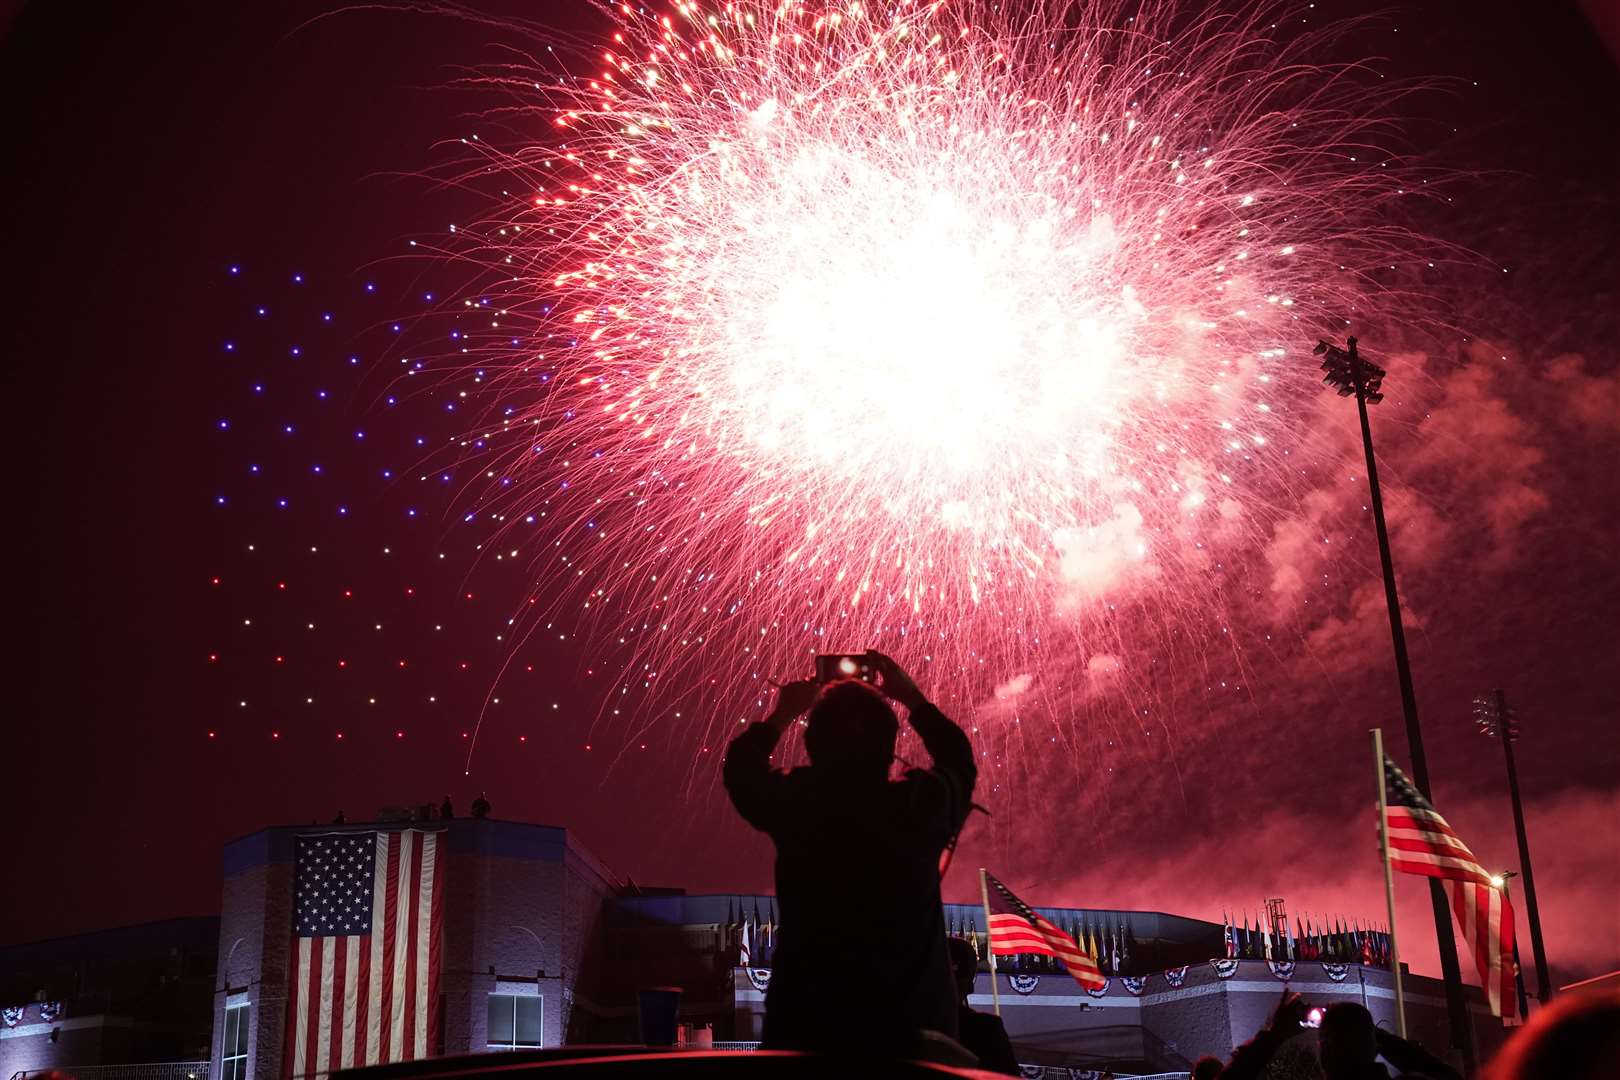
(1494, 717)
(1347, 373)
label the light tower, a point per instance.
(1349, 374)
(1494, 718)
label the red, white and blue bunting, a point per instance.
(1134, 985)
(1098, 991)
(12, 1015)
(760, 978)
(1336, 972)
(1176, 976)
(1024, 984)
(1224, 969)
(1282, 969)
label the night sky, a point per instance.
(185, 670)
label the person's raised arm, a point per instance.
(947, 745)
(1249, 1061)
(747, 773)
(1409, 1057)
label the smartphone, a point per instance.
(1313, 1019)
(831, 667)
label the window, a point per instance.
(234, 1047)
(514, 1021)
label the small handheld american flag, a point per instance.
(1017, 928)
(1422, 842)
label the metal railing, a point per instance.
(1064, 1072)
(165, 1070)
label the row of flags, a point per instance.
(753, 936)
(1307, 938)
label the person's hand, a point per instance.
(793, 699)
(1291, 1012)
(893, 680)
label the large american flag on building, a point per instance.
(368, 918)
(1016, 928)
(1422, 842)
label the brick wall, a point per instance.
(255, 933)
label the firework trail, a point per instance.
(971, 336)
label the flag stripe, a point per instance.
(311, 986)
(416, 1009)
(299, 1018)
(403, 895)
(385, 1025)
(351, 999)
(323, 1006)
(374, 955)
(436, 943)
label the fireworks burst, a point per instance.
(926, 327)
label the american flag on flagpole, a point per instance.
(1422, 842)
(1016, 929)
(363, 982)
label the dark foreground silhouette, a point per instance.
(984, 1035)
(860, 963)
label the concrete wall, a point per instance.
(1211, 1015)
(1169, 1027)
(79, 1039)
(99, 1039)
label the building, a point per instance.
(1166, 1004)
(136, 994)
(536, 944)
(520, 907)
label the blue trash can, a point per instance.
(660, 1013)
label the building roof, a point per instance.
(467, 836)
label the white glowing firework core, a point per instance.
(919, 322)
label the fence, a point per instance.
(1034, 1072)
(167, 1070)
(198, 1070)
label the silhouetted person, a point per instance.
(1577, 1037)
(340, 819)
(857, 864)
(1206, 1068)
(983, 1034)
(1348, 1046)
(480, 806)
(445, 809)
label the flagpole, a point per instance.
(989, 943)
(1389, 880)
